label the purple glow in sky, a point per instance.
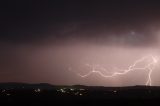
(61, 42)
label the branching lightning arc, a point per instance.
(149, 68)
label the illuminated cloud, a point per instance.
(41, 41)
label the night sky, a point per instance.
(52, 41)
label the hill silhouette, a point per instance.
(44, 93)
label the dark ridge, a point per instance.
(43, 93)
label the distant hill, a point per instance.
(46, 85)
(25, 85)
(43, 93)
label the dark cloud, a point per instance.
(41, 40)
(37, 21)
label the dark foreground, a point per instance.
(45, 94)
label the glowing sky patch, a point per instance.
(109, 43)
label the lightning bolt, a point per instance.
(150, 67)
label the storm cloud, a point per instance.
(42, 40)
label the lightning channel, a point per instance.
(149, 67)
